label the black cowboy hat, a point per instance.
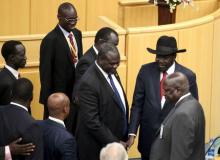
(166, 46)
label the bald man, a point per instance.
(58, 142)
(182, 133)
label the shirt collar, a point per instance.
(19, 105)
(171, 69)
(13, 71)
(184, 96)
(65, 33)
(57, 120)
(95, 49)
(103, 72)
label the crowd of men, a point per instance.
(86, 113)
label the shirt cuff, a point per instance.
(7, 153)
(132, 134)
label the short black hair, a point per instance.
(22, 90)
(104, 34)
(65, 6)
(105, 48)
(8, 48)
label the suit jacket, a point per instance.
(183, 135)
(59, 144)
(57, 72)
(6, 82)
(2, 153)
(101, 120)
(16, 122)
(85, 62)
(146, 106)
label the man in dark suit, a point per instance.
(60, 51)
(149, 107)
(16, 121)
(182, 133)
(13, 53)
(103, 108)
(103, 35)
(15, 148)
(59, 144)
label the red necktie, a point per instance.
(161, 85)
(73, 48)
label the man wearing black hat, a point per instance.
(149, 107)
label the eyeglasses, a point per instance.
(71, 20)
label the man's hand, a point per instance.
(130, 141)
(21, 149)
(124, 144)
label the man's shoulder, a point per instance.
(188, 72)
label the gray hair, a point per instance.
(113, 151)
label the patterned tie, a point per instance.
(73, 48)
(161, 84)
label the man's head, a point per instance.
(106, 34)
(58, 105)
(113, 151)
(175, 86)
(22, 92)
(108, 58)
(14, 54)
(67, 16)
(166, 50)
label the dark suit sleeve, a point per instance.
(81, 68)
(193, 86)
(89, 112)
(137, 104)
(34, 134)
(68, 150)
(2, 153)
(45, 68)
(183, 136)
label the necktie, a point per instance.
(116, 92)
(125, 128)
(161, 85)
(73, 48)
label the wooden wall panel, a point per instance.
(215, 110)
(44, 14)
(15, 17)
(97, 8)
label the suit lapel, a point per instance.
(156, 85)
(63, 43)
(107, 86)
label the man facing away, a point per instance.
(13, 53)
(149, 106)
(60, 51)
(182, 133)
(16, 121)
(103, 107)
(59, 144)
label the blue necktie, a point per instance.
(120, 102)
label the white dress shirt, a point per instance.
(57, 121)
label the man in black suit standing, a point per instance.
(149, 107)
(60, 51)
(16, 121)
(103, 107)
(103, 35)
(13, 53)
(58, 142)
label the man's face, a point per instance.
(19, 58)
(171, 93)
(110, 62)
(164, 62)
(68, 19)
